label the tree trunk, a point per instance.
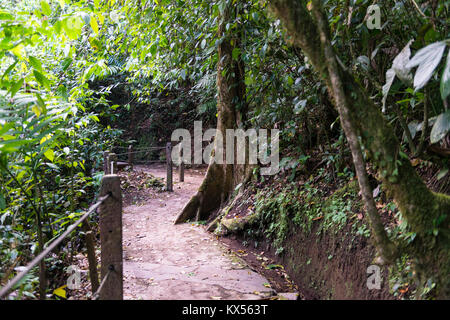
(427, 213)
(221, 179)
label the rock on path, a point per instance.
(163, 261)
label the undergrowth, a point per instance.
(296, 206)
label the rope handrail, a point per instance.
(4, 290)
(149, 161)
(134, 152)
(120, 147)
(96, 295)
(139, 151)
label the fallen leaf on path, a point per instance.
(60, 292)
(274, 266)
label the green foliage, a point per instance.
(426, 60)
(441, 127)
(50, 139)
(71, 71)
(281, 209)
(274, 209)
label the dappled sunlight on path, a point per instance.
(173, 262)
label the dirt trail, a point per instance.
(174, 262)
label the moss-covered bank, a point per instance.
(321, 239)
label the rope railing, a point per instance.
(139, 151)
(149, 161)
(7, 288)
(110, 226)
(146, 148)
(96, 295)
(112, 165)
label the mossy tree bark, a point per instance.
(426, 212)
(221, 179)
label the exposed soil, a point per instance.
(330, 265)
(167, 261)
(263, 261)
(139, 186)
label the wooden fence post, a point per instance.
(106, 162)
(169, 179)
(90, 246)
(111, 239)
(181, 171)
(130, 156)
(112, 163)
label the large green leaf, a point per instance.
(94, 24)
(445, 79)
(73, 27)
(441, 127)
(398, 69)
(12, 145)
(236, 53)
(16, 87)
(6, 128)
(5, 15)
(400, 62)
(35, 63)
(427, 59)
(10, 68)
(46, 9)
(2, 202)
(50, 154)
(41, 79)
(442, 173)
(390, 76)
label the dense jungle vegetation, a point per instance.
(351, 103)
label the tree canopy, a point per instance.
(82, 77)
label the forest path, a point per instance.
(163, 261)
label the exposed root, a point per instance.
(189, 210)
(210, 195)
